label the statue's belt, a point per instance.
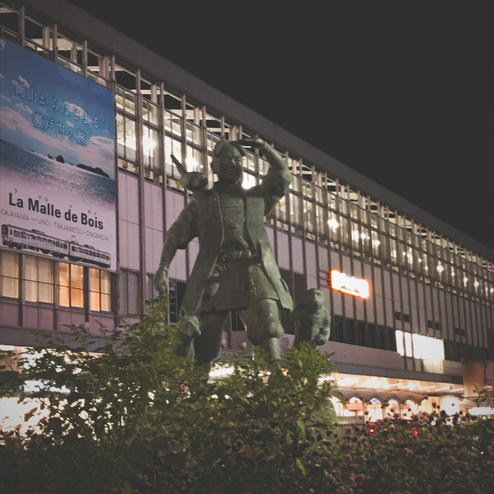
(238, 255)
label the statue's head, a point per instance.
(227, 161)
(314, 298)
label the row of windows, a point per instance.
(354, 220)
(345, 228)
(346, 330)
(463, 352)
(45, 281)
(343, 329)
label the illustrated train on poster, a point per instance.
(21, 238)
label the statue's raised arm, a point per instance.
(276, 182)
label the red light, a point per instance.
(372, 430)
(415, 432)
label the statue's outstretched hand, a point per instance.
(255, 142)
(193, 181)
(161, 280)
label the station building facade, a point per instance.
(411, 298)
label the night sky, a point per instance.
(399, 90)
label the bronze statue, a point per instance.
(235, 268)
(310, 319)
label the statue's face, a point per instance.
(315, 297)
(228, 165)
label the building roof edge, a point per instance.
(86, 26)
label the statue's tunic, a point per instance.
(235, 262)
(238, 276)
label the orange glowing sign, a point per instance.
(349, 284)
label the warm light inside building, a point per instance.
(419, 346)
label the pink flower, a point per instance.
(361, 476)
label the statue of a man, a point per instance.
(235, 268)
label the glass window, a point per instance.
(172, 146)
(126, 139)
(173, 123)
(150, 148)
(38, 279)
(193, 133)
(250, 161)
(193, 159)
(376, 243)
(99, 290)
(308, 216)
(355, 235)
(9, 19)
(211, 139)
(320, 220)
(345, 236)
(295, 209)
(70, 285)
(149, 112)
(9, 274)
(128, 292)
(249, 181)
(333, 224)
(393, 251)
(125, 100)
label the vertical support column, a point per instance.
(317, 234)
(400, 275)
(288, 207)
(164, 182)
(162, 154)
(340, 255)
(383, 236)
(328, 245)
(45, 37)
(142, 225)
(85, 280)
(373, 270)
(183, 157)
(413, 329)
(416, 271)
(20, 289)
(362, 254)
(22, 25)
(84, 59)
(391, 284)
(274, 215)
(204, 141)
(54, 47)
(116, 289)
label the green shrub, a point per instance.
(136, 418)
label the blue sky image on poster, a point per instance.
(57, 163)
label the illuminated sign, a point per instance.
(348, 284)
(57, 160)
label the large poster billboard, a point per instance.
(57, 163)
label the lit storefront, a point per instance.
(411, 298)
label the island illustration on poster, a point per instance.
(57, 160)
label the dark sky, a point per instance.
(399, 90)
